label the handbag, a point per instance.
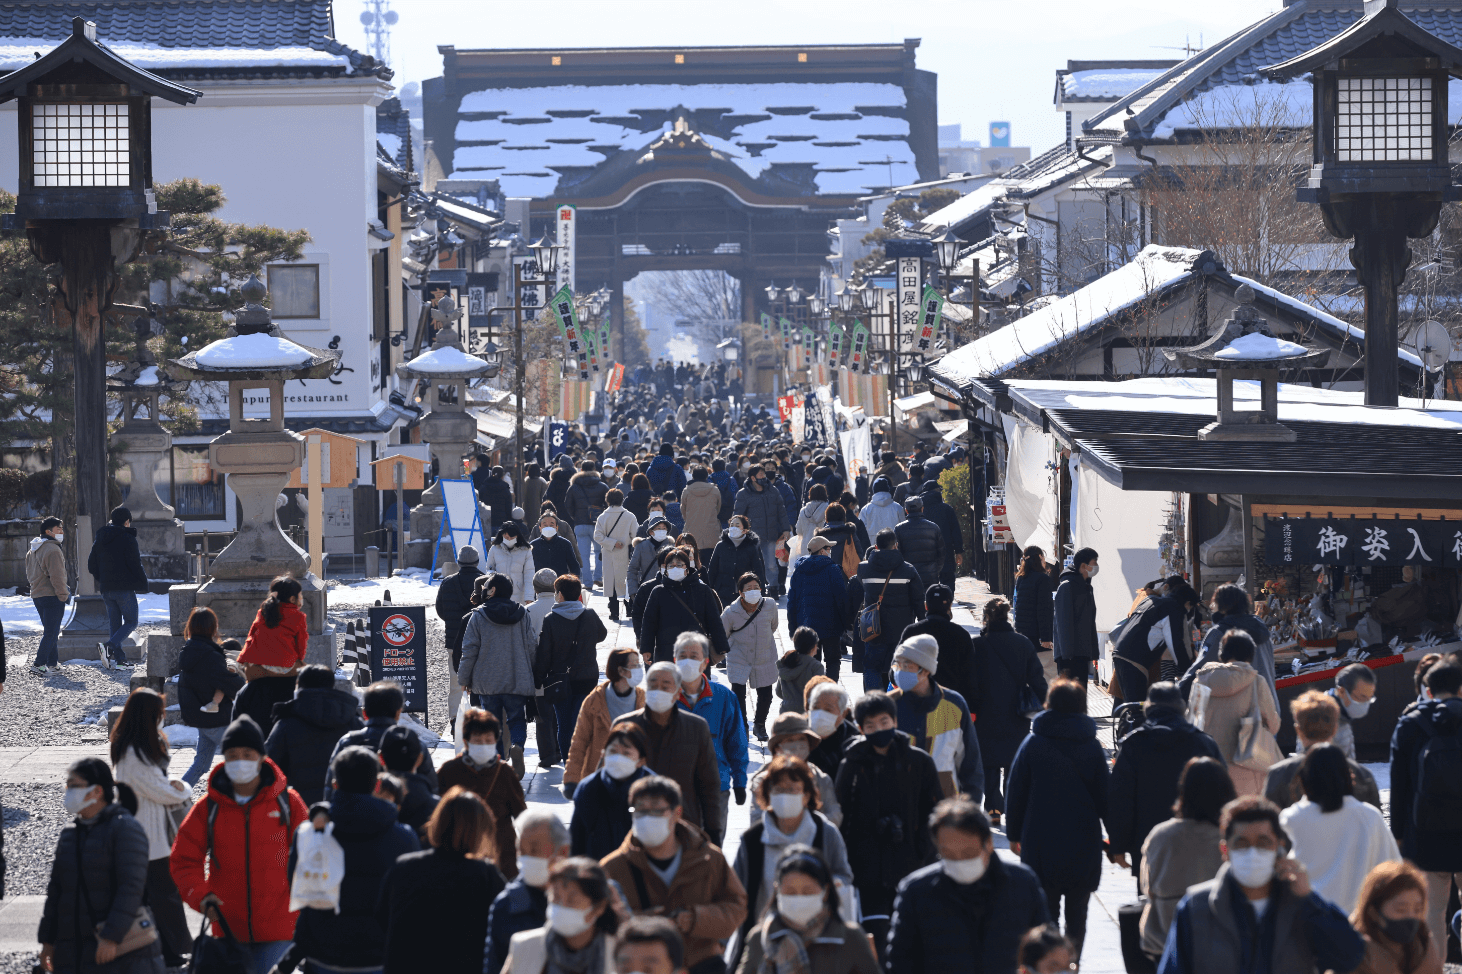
(219, 955)
(142, 932)
(1257, 749)
(173, 816)
(870, 620)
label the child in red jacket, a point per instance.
(279, 634)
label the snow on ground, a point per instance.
(18, 612)
(414, 587)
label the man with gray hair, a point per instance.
(543, 840)
(680, 747)
(717, 705)
(1355, 691)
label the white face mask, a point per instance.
(1094, 569)
(752, 596)
(620, 766)
(800, 909)
(651, 830)
(509, 542)
(75, 799)
(690, 670)
(677, 574)
(60, 537)
(567, 921)
(963, 871)
(788, 806)
(1357, 709)
(734, 532)
(241, 772)
(822, 723)
(635, 676)
(658, 535)
(482, 753)
(534, 870)
(659, 700)
(548, 532)
(1252, 867)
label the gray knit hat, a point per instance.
(467, 555)
(922, 651)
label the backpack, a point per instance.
(1438, 805)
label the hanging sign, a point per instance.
(576, 347)
(907, 304)
(398, 651)
(1302, 542)
(786, 335)
(929, 314)
(567, 245)
(616, 378)
(766, 326)
(835, 338)
(858, 358)
(809, 343)
(785, 405)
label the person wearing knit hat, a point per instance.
(467, 555)
(937, 718)
(956, 653)
(243, 733)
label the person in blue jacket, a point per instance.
(543, 840)
(969, 910)
(717, 706)
(664, 473)
(818, 599)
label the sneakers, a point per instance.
(211, 707)
(516, 754)
(38, 670)
(104, 652)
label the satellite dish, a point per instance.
(392, 17)
(1432, 343)
(367, 18)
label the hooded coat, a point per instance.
(1056, 798)
(45, 569)
(922, 544)
(306, 730)
(497, 650)
(1230, 700)
(793, 672)
(880, 512)
(584, 500)
(568, 646)
(1432, 850)
(812, 516)
(615, 526)
(688, 605)
(115, 561)
(700, 506)
(665, 474)
(732, 559)
(516, 563)
(644, 561)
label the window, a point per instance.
(81, 145)
(1384, 120)
(801, 57)
(380, 291)
(294, 290)
(193, 488)
(557, 61)
(680, 59)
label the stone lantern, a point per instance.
(143, 441)
(447, 427)
(258, 456)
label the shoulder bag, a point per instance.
(1257, 749)
(749, 619)
(142, 932)
(870, 620)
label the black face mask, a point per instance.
(1400, 931)
(882, 738)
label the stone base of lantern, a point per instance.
(236, 602)
(426, 523)
(165, 652)
(164, 552)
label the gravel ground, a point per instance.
(34, 817)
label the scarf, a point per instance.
(783, 951)
(561, 960)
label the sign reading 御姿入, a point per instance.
(1292, 541)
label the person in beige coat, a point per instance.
(621, 692)
(45, 572)
(512, 556)
(614, 533)
(700, 506)
(1183, 851)
(1228, 696)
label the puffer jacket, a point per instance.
(766, 510)
(880, 512)
(700, 505)
(454, 601)
(97, 876)
(497, 650)
(793, 672)
(306, 730)
(516, 563)
(1034, 609)
(249, 868)
(818, 599)
(1144, 780)
(116, 562)
(688, 605)
(732, 559)
(812, 516)
(939, 925)
(665, 474)
(45, 569)
(922, 545)
(644, 561)
(203, 670)
(584, 501)
(902, 605)
(753, 639)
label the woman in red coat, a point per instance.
(280, 632)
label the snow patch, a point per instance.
(1259, 346)
(256, 351)
(447, 360)
(1107, 83)
(18, 52)
(147, 377)
(391, 143)
(18, 613)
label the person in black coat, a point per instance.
(258, 697)
(936, 510)
(947, 919)
(446, 890)
(734, 557)
(558, 487)
(956, 648)
(1055, 803)
(1074, 618)
(884, 574)
(372, 839)
(491, 489)
(1144, 781)
(601, 817)
(383, 703)
(922, 542)
(454, 601)
(829, 700)
(402, 755)
(567, 653)
(553, 550)
(1005, 664)
(204, 675)
(1158, 625)
(1033, 599)
(677, 605)
(841, 532)
(116, 564)
(637, 498)
(307, 728)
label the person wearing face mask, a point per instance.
(243, 830)
(680, 747)
(543, 842)
(716, 704)
(644, 560)
(700, 506)
(887, 789)
(454, 601)
(97, 881)
(614, 534)
(45, 572)
(937, 718)
(511, 556)
(1073, 626)
(497, 660)
(751, 626)
(1315, 716)
(766, 510)
(669, 866)
(578, 935)
(1391, 917)
(970, 910)
(1260, 900)
(681, 603)
(802, 920)
(601, 816)
(818, 600)
(1355, 691)
(478, 770)
(552, 550)
(565, 664)
(792, 738)
(827, 717)
(621, 692)
(738, 552)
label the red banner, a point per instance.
(616, 378)
(785, 405)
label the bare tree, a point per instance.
(709, 299)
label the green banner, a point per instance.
(931, 310)
(576, 345)
(859, 358)
(786, 335)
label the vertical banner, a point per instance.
(785, 405)
(906, 306)
(534, 292)
(857, 447)
(568, 245)
(835, 339)
(575, 399)
(799, 423)
(766, 326)
(786, 335)
(809, 347)
(616, 378)
(558, 434)
(398, 651)
(576, 346)
(929, 315)
(851, 391)
(858, 358)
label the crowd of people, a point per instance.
(874, 819)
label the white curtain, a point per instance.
(1030, 495)
(1123, 526)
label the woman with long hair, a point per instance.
(1183, 851)
(1390, 916)
(801, 929)
(578, 935)
(205, 682)
(140, 758)
(1034, 608)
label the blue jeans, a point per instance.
(264, 954)
(52, 611)
(567, 712)
(584, 535)
(208, 740)
(122, 616)
(509, 708)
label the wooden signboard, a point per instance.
(339, 465)
(414, 471)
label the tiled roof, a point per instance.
(190, 24)
(1237, 60)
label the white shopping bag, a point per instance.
(319, 868)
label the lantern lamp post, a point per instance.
(1380, 168)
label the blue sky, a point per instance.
(995, 60)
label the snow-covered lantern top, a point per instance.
(85, 138)
(1380, 108)
(141, 381)
(1245, 348)
(446, 364)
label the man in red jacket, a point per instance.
(247, 824)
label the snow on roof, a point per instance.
(257, 351)
(1325, 318)
(391, 143)
(17, 52)
(1101, 84)
(1259, 346)
(532, 134)
(1038, 332)
(447, 360)
(1238, 106)
(147, 377)
(969, 204)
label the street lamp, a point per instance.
(794, 293)
(871, 295)
(772, 292)
(545, 252)
(946, 249)
(846, 297)
(1380, 168)
(815, 306)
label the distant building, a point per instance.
(958, 155)
(1086, 89)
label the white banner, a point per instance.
(906, 306)
(857, 450)
(566, 220)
